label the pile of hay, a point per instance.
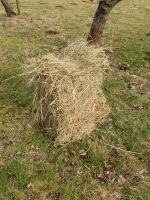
(68, 99)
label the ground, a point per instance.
(114, 164)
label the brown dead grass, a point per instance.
(68, 99)
(22, 23)
(3, 57)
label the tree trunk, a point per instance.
(18, 7)
(99, 21)
(8, 8)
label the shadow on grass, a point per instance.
(147, 55)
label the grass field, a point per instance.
(93, 169)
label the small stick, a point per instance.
(120, 149)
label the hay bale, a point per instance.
(68, 99)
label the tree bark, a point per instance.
(100, 19)
(8, 8)
(18, 7)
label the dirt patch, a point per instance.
(51, 32)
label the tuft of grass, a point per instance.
(24, 96)
(13, 178)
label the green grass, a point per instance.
(30, 166)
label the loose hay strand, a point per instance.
(68, 99)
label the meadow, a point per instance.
(113, 164)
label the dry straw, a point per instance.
(68, 99)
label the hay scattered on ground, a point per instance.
(68, 99)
